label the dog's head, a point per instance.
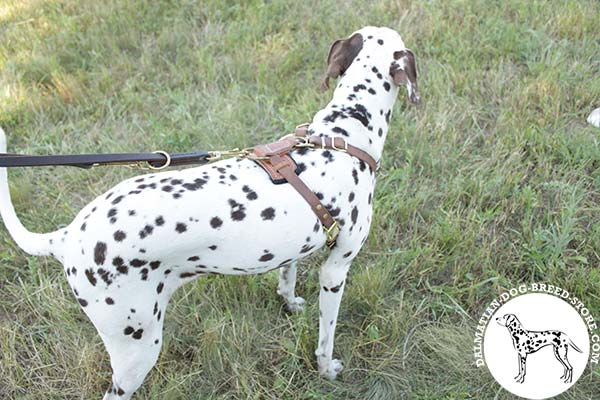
(508, 320)
(379, 49)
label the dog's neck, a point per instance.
(515, 328)
(355, 112)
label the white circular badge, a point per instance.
(536, 346)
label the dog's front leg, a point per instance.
(523, 364)
(332, 279)
(287, 287)
(516, 378)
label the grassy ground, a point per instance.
(493, 182)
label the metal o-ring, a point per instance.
(165, 165)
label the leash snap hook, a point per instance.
(214, 155)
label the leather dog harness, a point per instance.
(273, 157)
(276, 161)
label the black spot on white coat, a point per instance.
(266, 257)
(238, 210)
(354, 215)
(216, 222)
(119, 236)
(268, 214)
(100, 253)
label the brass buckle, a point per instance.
(332, 233)
(303, 141)
(344, 149)
(165, 165)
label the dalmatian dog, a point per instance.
(127, 251)
(528, 342)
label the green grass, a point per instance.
(493, 182)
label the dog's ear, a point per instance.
(341, 55)
(404, 73)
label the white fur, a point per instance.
(594, 118)
(33, 243)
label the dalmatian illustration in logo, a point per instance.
(527, 342)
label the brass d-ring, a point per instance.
(165, 165)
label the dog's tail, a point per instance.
(573, 346)
(33, 243)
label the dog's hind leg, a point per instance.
(131, 329)
(562, 353)
(287, 287)
(332, 280)
(565, 368)
(132, 356)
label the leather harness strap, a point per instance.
(277, 162)
(338, 144)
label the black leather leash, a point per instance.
(156, 160)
